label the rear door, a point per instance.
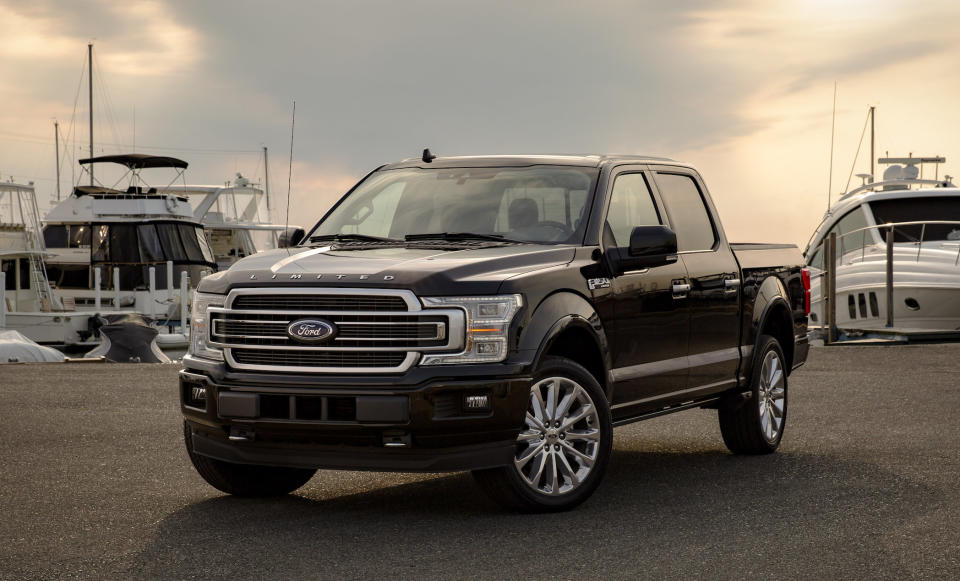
(714, 294)
(648, 325)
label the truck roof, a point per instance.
(527, 160)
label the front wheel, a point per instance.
(246, 479)
(563, 447)
(755, 426)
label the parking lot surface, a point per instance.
(95, 484)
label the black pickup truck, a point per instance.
(496, 314)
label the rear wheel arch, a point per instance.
(771, 316)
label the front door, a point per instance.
(649, 323)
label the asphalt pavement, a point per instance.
(95, 484)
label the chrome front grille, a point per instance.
(378, 330)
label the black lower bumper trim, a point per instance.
(375, 459)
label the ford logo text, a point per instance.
(311, 330)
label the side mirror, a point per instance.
(290, 237)
(651, 246)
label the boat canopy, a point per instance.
(137, 161)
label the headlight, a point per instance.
(199, 327)
(487, 325)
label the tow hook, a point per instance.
(241, 434)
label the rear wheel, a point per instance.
(755, 426)
(246, 479)
(564, 445)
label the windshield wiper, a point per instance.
(351, 238)
(457, 236)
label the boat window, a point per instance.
(24, 273)
(191, 245)
(687, 211)
(205, 246)
(920, 209)
(150, 248)
(631, 205)
(69, 276)
(55, 236)
(79, 236)
(170, 239)
(123, 243)
(848, 239)
(8, 267)
(101, 243)
(817, 260)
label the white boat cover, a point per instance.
(15, 348)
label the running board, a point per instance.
(668, 410)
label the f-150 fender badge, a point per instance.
(595, 283)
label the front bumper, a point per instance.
(408, 423)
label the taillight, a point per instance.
(805, 276)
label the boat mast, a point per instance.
(56, 145)
(833, 125)
(90, 86)
(266, 182)
(873, 156)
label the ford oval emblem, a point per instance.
(311, 330)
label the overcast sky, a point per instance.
(741, 89)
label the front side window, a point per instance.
(543, 204)
(688, 212)
(631, 205)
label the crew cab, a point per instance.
(496, 314)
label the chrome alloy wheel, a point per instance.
(772, 396)
(560, 440)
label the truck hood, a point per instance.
(427, 272)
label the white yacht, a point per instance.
(924, 216)
(28, 304)
(235, 219)
(120, 237)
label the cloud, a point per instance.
(744, 87)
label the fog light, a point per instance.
(198, 393)
(488, 348)
(476, 403)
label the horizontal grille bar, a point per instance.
(319, 302)
(352, 330)
(337, 359)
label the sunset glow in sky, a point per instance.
(741, 89)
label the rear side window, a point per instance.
(631, 205)
(688, 213)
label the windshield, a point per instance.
(920, 209)
(530, 204)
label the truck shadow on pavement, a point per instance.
(655, 512)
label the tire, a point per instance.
(246, 479)
(557, 466)
(755, 426)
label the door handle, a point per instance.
(681, 288)
(731, 283)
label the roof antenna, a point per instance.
(427, 156)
